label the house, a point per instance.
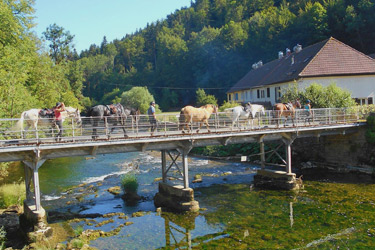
(326, 62)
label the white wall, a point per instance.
(359, 86)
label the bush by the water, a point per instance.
(129, 183)
(11, 194)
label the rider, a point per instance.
(60, 107)
(152, 117)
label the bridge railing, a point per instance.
(169, 125)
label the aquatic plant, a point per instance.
(11, 194)
(78, 231)
(129, 183)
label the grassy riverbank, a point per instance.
(12, 194)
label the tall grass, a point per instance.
(11, 194)
(129, 183)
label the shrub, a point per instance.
(11, 194)
(227, 105)
(129, 183)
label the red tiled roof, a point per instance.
(337, 58)
(326, 58)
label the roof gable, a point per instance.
(328, 57)
(337, 58)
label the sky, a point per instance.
(90, 20)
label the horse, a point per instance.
(286, 110)
(43, 117)
(115, 114)
(190, 114)
(133, 113)
(249, 112)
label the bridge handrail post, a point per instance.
(106, 126)
(73, 130)
(165, 125)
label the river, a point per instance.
(327, 214)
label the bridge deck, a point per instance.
(79, 140)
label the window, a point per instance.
(246, 95)
(230, 97)
(236, 98)
(258, 93)
(251, 95)
(277, 94)
(262, 93)
(268, 92)
(370, 100)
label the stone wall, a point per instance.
(348, 152)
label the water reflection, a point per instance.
(178, 229)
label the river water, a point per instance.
(325, 215)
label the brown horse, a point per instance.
(286, 110)
(189, 114)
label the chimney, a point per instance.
(260, 63)
(297, 48)
(281, 54)
(254, 66)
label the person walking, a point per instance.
(152, 117)
(60, 107)
(308, 112)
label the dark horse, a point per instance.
(115, 114)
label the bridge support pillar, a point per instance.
(278, 179)
(171, 195)
(34, 220)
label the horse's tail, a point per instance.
(19, 125)
(181, 119)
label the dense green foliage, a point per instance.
(203, 98)
(11, 194)
(138, 97)
(320, 96)
(252, 150)
(29, 77)
(212, 44)
(129, 183)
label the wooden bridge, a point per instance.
(34, 147)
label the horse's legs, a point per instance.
(94, 126)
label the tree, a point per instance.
(203, 99)
(60, 42)
(330, 96)
(138, 97)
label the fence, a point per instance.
(169, 125)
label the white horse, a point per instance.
(33, 120)
(249, 112)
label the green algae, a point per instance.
(278, 219)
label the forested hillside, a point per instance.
(209, 45)
(29, 77)
(212, 44)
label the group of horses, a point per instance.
(116, 115)
(249, 112)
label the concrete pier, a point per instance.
(176, 198)
(33, 223)
(269, 179)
